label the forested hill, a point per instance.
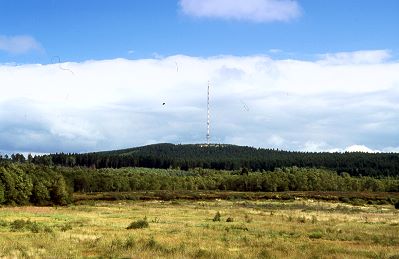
(229, 157)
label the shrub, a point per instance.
(18, 224)
(141, 223)
(264, 254)
(116, 245)
(202, 253)
(240, 227)
(397, 205)
(48, 229)
(152, 244)
(357, 202)
(301, 219)
(217, 216)
(129, 242)
(3, 223)
(2, 194)
(34, 227)
(316, 235)
(345, 199)
(66, 227)
(229, 219)
(248, 219)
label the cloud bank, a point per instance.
(19, 44)
(247, 10)
(356, 57)
(255, 101)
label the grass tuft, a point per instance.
(141, 223)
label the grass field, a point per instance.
(186, 229)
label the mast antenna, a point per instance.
(208, 122)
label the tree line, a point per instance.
(27, 183)
(227, 157)
(287, 179)
(22, 184)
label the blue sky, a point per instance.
(92, 75)
(81, 30)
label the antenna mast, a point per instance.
(208, 122)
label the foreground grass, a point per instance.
(186, 229)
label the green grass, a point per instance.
(186, 229)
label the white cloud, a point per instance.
(356, 57)
(248, 10)
(361, 148)
(19, 44)
(255, 100)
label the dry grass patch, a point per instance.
(185, 229)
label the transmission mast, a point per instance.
(208, 122)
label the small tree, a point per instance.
(59, 191)
(217, 216)
(2, 196)
(40, 193)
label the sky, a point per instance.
(304, 75)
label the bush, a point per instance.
(34, 227)
(248, 219)
(129, 242)
(301, 219)
(20, 225)
(229, 219)
(314, 219)
(2, 194)
(264, 254)
(152, 244)
(397, 205)
(357, 202)
(142, 223)
(202, 253)
(3, 223)
(345, 199)
(217, 216)
(316, 235)
(66, 227)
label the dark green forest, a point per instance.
(286, 179)
(27, 183)
(51, 179)
(22, 184)
(229, 157)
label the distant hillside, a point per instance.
(229, 157)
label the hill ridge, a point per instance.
(230, 157)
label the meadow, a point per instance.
(235, 228)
